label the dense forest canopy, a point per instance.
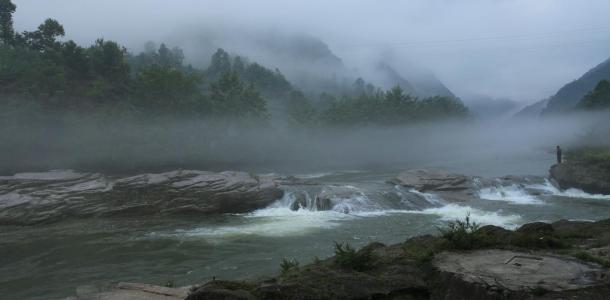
(38, 67)
(598, 98)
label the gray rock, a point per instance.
(344, 199)
(590, 178)
(433, 180)
(536, 228)
(300, 201)
(502, 274)
(52, 196)
(132, 291)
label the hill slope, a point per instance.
(569, 95)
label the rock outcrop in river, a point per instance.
(591, 178)
(433, 180)
(31, 198)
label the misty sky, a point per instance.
(522, 49)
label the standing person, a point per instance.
(559, 155)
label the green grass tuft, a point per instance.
(289, 265)
(348, 258)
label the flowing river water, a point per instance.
(52, 261)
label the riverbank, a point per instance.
(347, 206)
(587, 169)
(564, 259)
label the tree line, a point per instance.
(37, 66)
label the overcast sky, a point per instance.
(522, 49)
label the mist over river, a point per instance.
(51, 261)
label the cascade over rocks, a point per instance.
(31, 198)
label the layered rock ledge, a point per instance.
(32, 198)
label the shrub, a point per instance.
(462, 234)
(582, 255)
(288, 265)
(348, 258)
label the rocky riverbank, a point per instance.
(33, 198)
(590, 177)
(36, 198)
(562, 260)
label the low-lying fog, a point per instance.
(122, 146)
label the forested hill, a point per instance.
(40, 71)
(569, 95)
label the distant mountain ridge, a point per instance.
(420, 84)
(309, 63)
(569, 95)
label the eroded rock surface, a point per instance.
(133, 291)
(433, 180)
(503, 274)
(32, 198)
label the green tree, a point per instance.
(238, 65)
(167, 89)
(45, 38)
(231, 97)
(75, 60)
(271, 83)
(220, 64)
(598, 98)
(300, 110)
(170, 58)
(108, 60)
(7, 33)
(110, 70)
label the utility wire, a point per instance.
(489, 38)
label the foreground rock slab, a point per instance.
(135, 291)
(503, 274)
(32, 198)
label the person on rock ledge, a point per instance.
(559, 156)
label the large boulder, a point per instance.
(590, 178)
(433, 180)
(31, 198)
(503, 274)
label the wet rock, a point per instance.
(300, 201)
(433, 180)
(32, 198)
(321, 282)
(494, 233)
(132, 291)
(221, 290)
(536, 228)
(502, 274)
(342, 198)
(590, 178)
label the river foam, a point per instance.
(548, 188)
(512, 193)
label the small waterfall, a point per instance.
(411, 199)
(547, 188)
(514, 193)
(349, 199)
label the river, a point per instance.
(52, 261)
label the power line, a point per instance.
(489, 38)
